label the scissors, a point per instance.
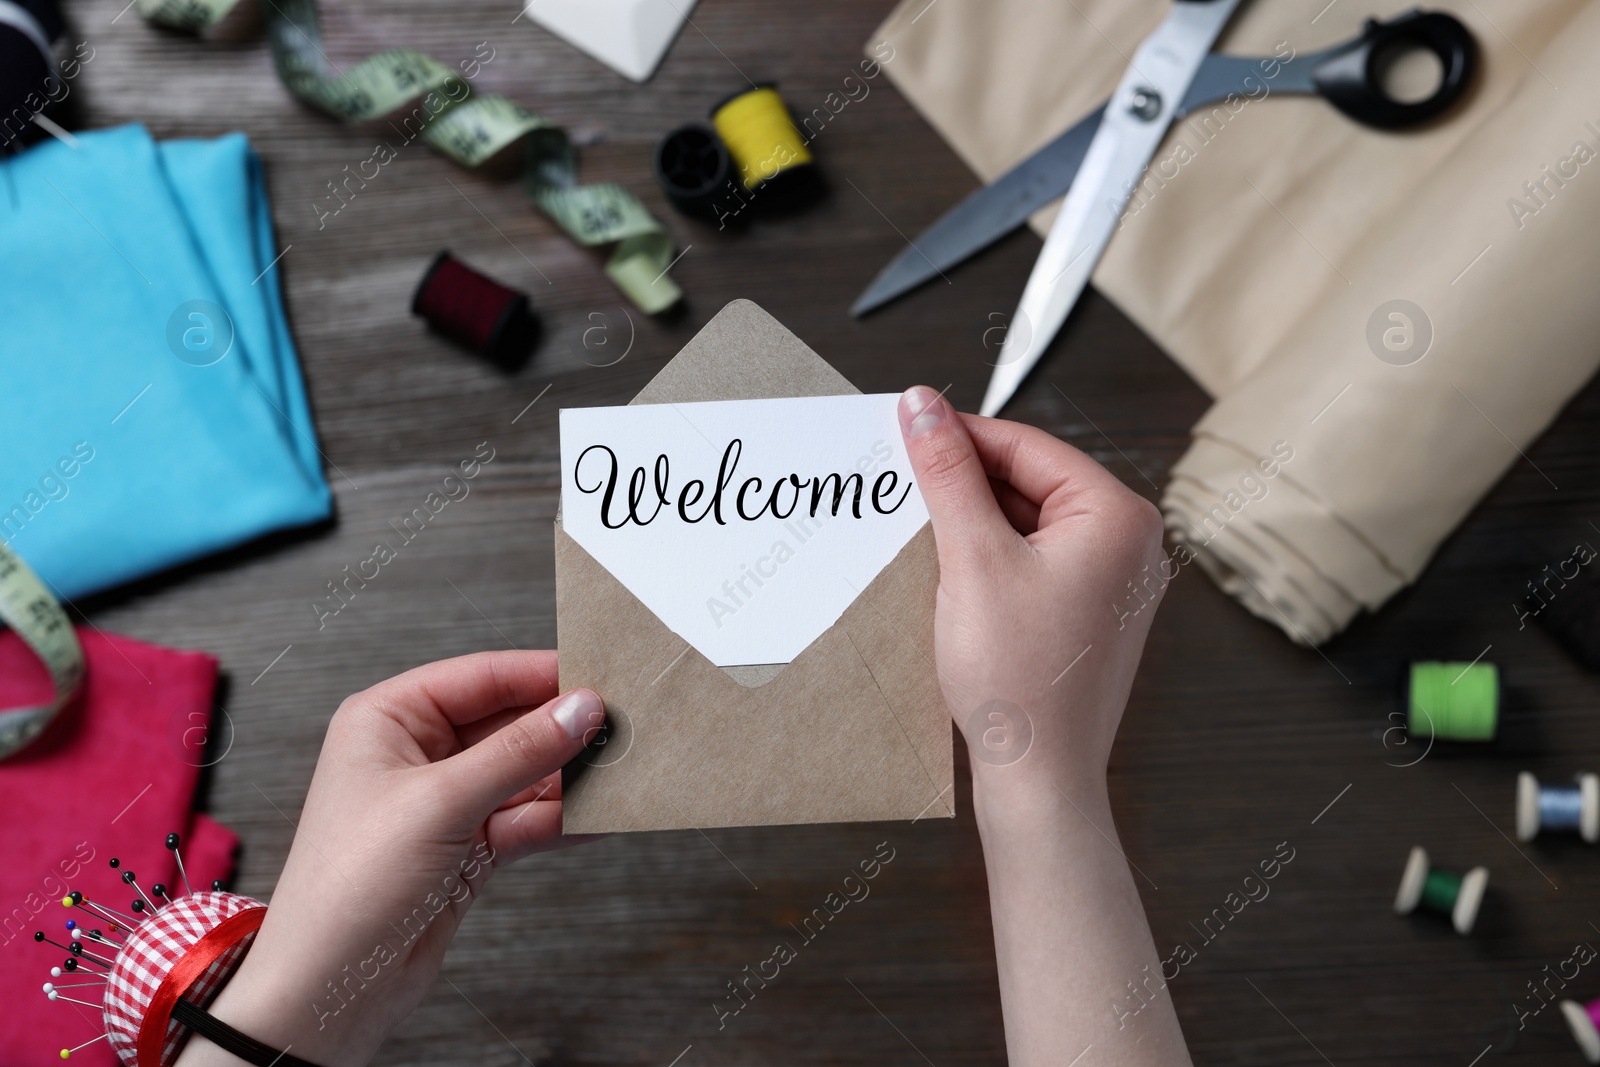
(1099, 162)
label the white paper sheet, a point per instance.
(743, 590)
(629, 36)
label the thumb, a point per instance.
(524, 751)
(966, 517)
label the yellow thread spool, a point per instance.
(760, 136)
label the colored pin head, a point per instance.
(1458, 896)
(172, 842)
(1583, 1020)
(1559, 807)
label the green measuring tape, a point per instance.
(467, 128)
(28, 608)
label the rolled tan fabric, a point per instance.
(1389, 458)
(1270, 264)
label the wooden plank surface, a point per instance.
(1234, 742)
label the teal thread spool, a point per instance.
(1558, 807)
(1453, 701)
(1435, 889)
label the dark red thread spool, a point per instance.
(493, 320)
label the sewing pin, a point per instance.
(128, 878)
(173, 841)
(66, 1053)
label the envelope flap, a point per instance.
(743, 354)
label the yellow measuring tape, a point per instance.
(467, 128)
(28, 608)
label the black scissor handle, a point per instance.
(1350, 76)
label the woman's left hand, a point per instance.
(427, 782)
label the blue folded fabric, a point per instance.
(124, 449)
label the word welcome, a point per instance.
(451, 489)
(54, 90)
(56, 885)
(1205, 128)
(52, 486)
(1541, 191)
(785, 953)
(1582, 954)
(455, 888)
(1581, 557)
(802, 530)
(410, 128)
(1185, 954)
(694, 489)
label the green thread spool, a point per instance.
(1434, 889)
(1453, 701)
(1441, 890)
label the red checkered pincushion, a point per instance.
(188, 949)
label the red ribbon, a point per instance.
(190, 966)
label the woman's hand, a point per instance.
(427, 782)
(1038, 632)
(1037, 635)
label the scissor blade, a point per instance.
(1164, 65)
(985, 216)
(988, 214)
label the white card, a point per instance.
(823, 480)
(629, 36)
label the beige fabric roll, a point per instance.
(1282, 232)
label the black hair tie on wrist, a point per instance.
(230, 1040)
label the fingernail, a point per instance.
(920, 410)
(579, 712)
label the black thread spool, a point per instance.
(27, 69)
(694, 169)
(473, 309)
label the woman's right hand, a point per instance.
(1038, 630)
(1037, 636)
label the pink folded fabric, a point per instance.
(111, 777)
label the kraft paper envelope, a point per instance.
(853, 729)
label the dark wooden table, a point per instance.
(1234, 742)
